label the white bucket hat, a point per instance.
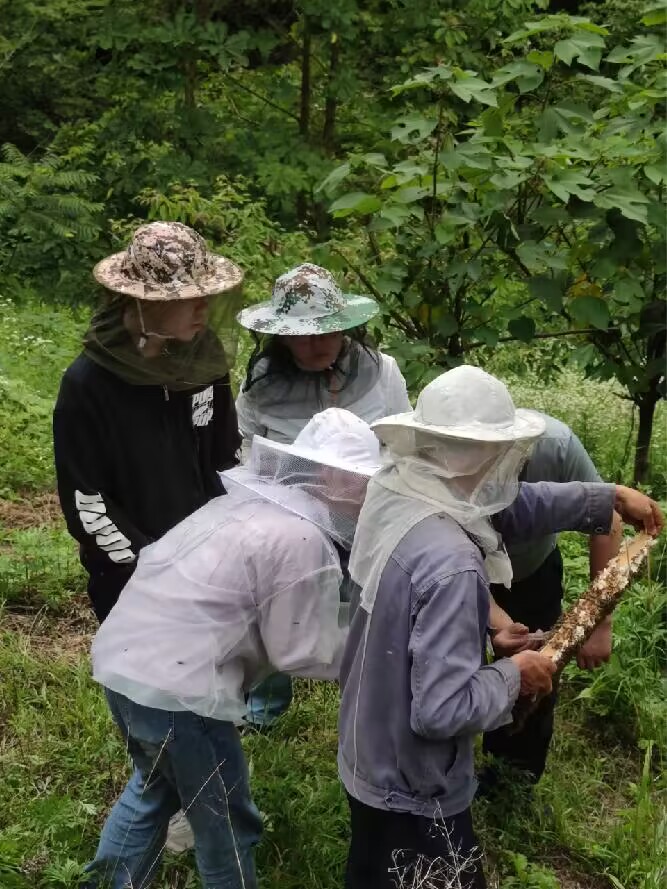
(464, 403)
(334, 437)
(308, 301)
(167, 261)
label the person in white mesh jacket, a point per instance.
(246, 585)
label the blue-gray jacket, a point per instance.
(418, 687)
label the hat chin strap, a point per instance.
(145, 334)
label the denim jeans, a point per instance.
(269, 699)
(181, 760)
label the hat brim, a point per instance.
(316, 456)
(263, 318)
(527, 425)
(224, 275)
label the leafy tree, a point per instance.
(46, 222)
(501, 212)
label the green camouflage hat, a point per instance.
(167, 261)
(306, 301)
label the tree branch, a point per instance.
(257, 95)
(406, 326)
(539, 336)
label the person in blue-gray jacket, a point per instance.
(415, 686)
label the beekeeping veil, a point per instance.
(151, 287)
(307, 301)
(322, 476)
(459, 454)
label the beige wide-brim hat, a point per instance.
(468, 404)
(167, 261)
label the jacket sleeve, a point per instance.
(549, 507)
(396, 390)
(227, 438)
(248, 423)
(299, 623)
(452, 693)
(83, 474)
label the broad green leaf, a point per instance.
(657, 217)
(509, 179)
(445, 234)
(590, 310)
(583, 356)
(485, 334)
(565, 183)
(412, 128)
(469, 87)
(655, 15)
(641, 50)
(447, 325)
(334, 178)
(493, 121)
(359, 203)
(538, 255)
(565, 118)
(522, 328)
(558, 22)
(548, 290)
(374, 159)
(429, 77)
(605, 83)
(547, 215)
(630, 292)
(544, 58)
(630, 201)
(467, 154)
(412, 193)
(395, 214)
(527, 75)
(586, 47)
(655, 173)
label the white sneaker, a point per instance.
(180, 837)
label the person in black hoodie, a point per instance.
(145, 417)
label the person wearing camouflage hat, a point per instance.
(145, 417)
(312, 352)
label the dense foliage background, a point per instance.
(494, 172)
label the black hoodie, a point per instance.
(132, 461)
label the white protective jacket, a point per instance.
(238, 590)
(260, 416)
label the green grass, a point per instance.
(598, 819)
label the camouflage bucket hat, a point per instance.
(167, 261)
(306, 301)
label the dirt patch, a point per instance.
(64, 637)
(570, 877)
(31, 511)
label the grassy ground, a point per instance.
(597, 820)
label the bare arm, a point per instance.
(602, 548)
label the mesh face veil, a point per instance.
(169, 317)
(321, 477)
(455, 455)
(123, 325)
